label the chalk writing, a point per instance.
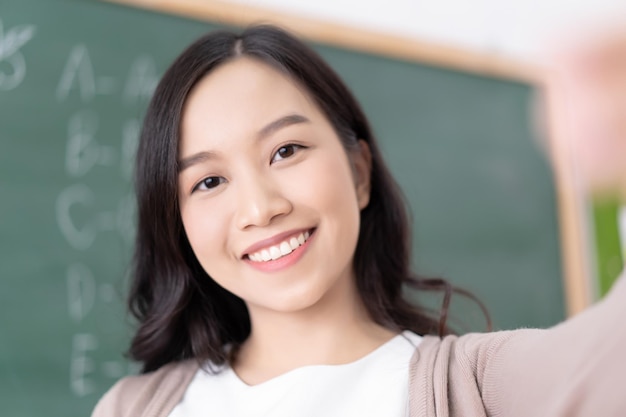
(81, 291)
(78, 70)
(79, 73)
(79, 214)
(142, 79)
(81, 235)
(13, 73)
(81, 364)
(81, 238)
(83, 152)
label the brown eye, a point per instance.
(286, 151)
(209, 183)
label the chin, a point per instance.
(291, 303)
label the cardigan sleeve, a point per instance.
(577, 368)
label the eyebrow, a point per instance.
(266, 131)
(196, 158)
(290, 119)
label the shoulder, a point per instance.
(474, 345)
(437, 357)
(478, 354)
(135, 395)
(457, 371)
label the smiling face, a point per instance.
(269, 199)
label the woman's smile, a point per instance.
(285, 253)
(277, 246)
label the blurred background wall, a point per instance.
(515, 28)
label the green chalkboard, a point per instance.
(75, 78)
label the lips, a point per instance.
(281, 249)
(278, 246)
(272, 246)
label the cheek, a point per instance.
(206, 231)
(326, 187)
(323, 182)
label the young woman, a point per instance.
(272, 250)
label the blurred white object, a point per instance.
(514, 28)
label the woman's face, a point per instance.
(269, 199)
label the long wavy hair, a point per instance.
(181, 311)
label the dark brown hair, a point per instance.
(182, 312)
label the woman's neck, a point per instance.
(329, 333)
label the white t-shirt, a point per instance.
(375, 385)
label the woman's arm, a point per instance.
(577, 368)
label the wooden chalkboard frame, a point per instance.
(575, 256)
(344, 36)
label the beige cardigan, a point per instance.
(577, 368)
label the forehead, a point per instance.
(239, 97)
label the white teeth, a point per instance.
(285, 249)
(278, 251)
(275, 252)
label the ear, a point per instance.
(362, 164)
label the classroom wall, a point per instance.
(516, 28)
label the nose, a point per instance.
(260, 201)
